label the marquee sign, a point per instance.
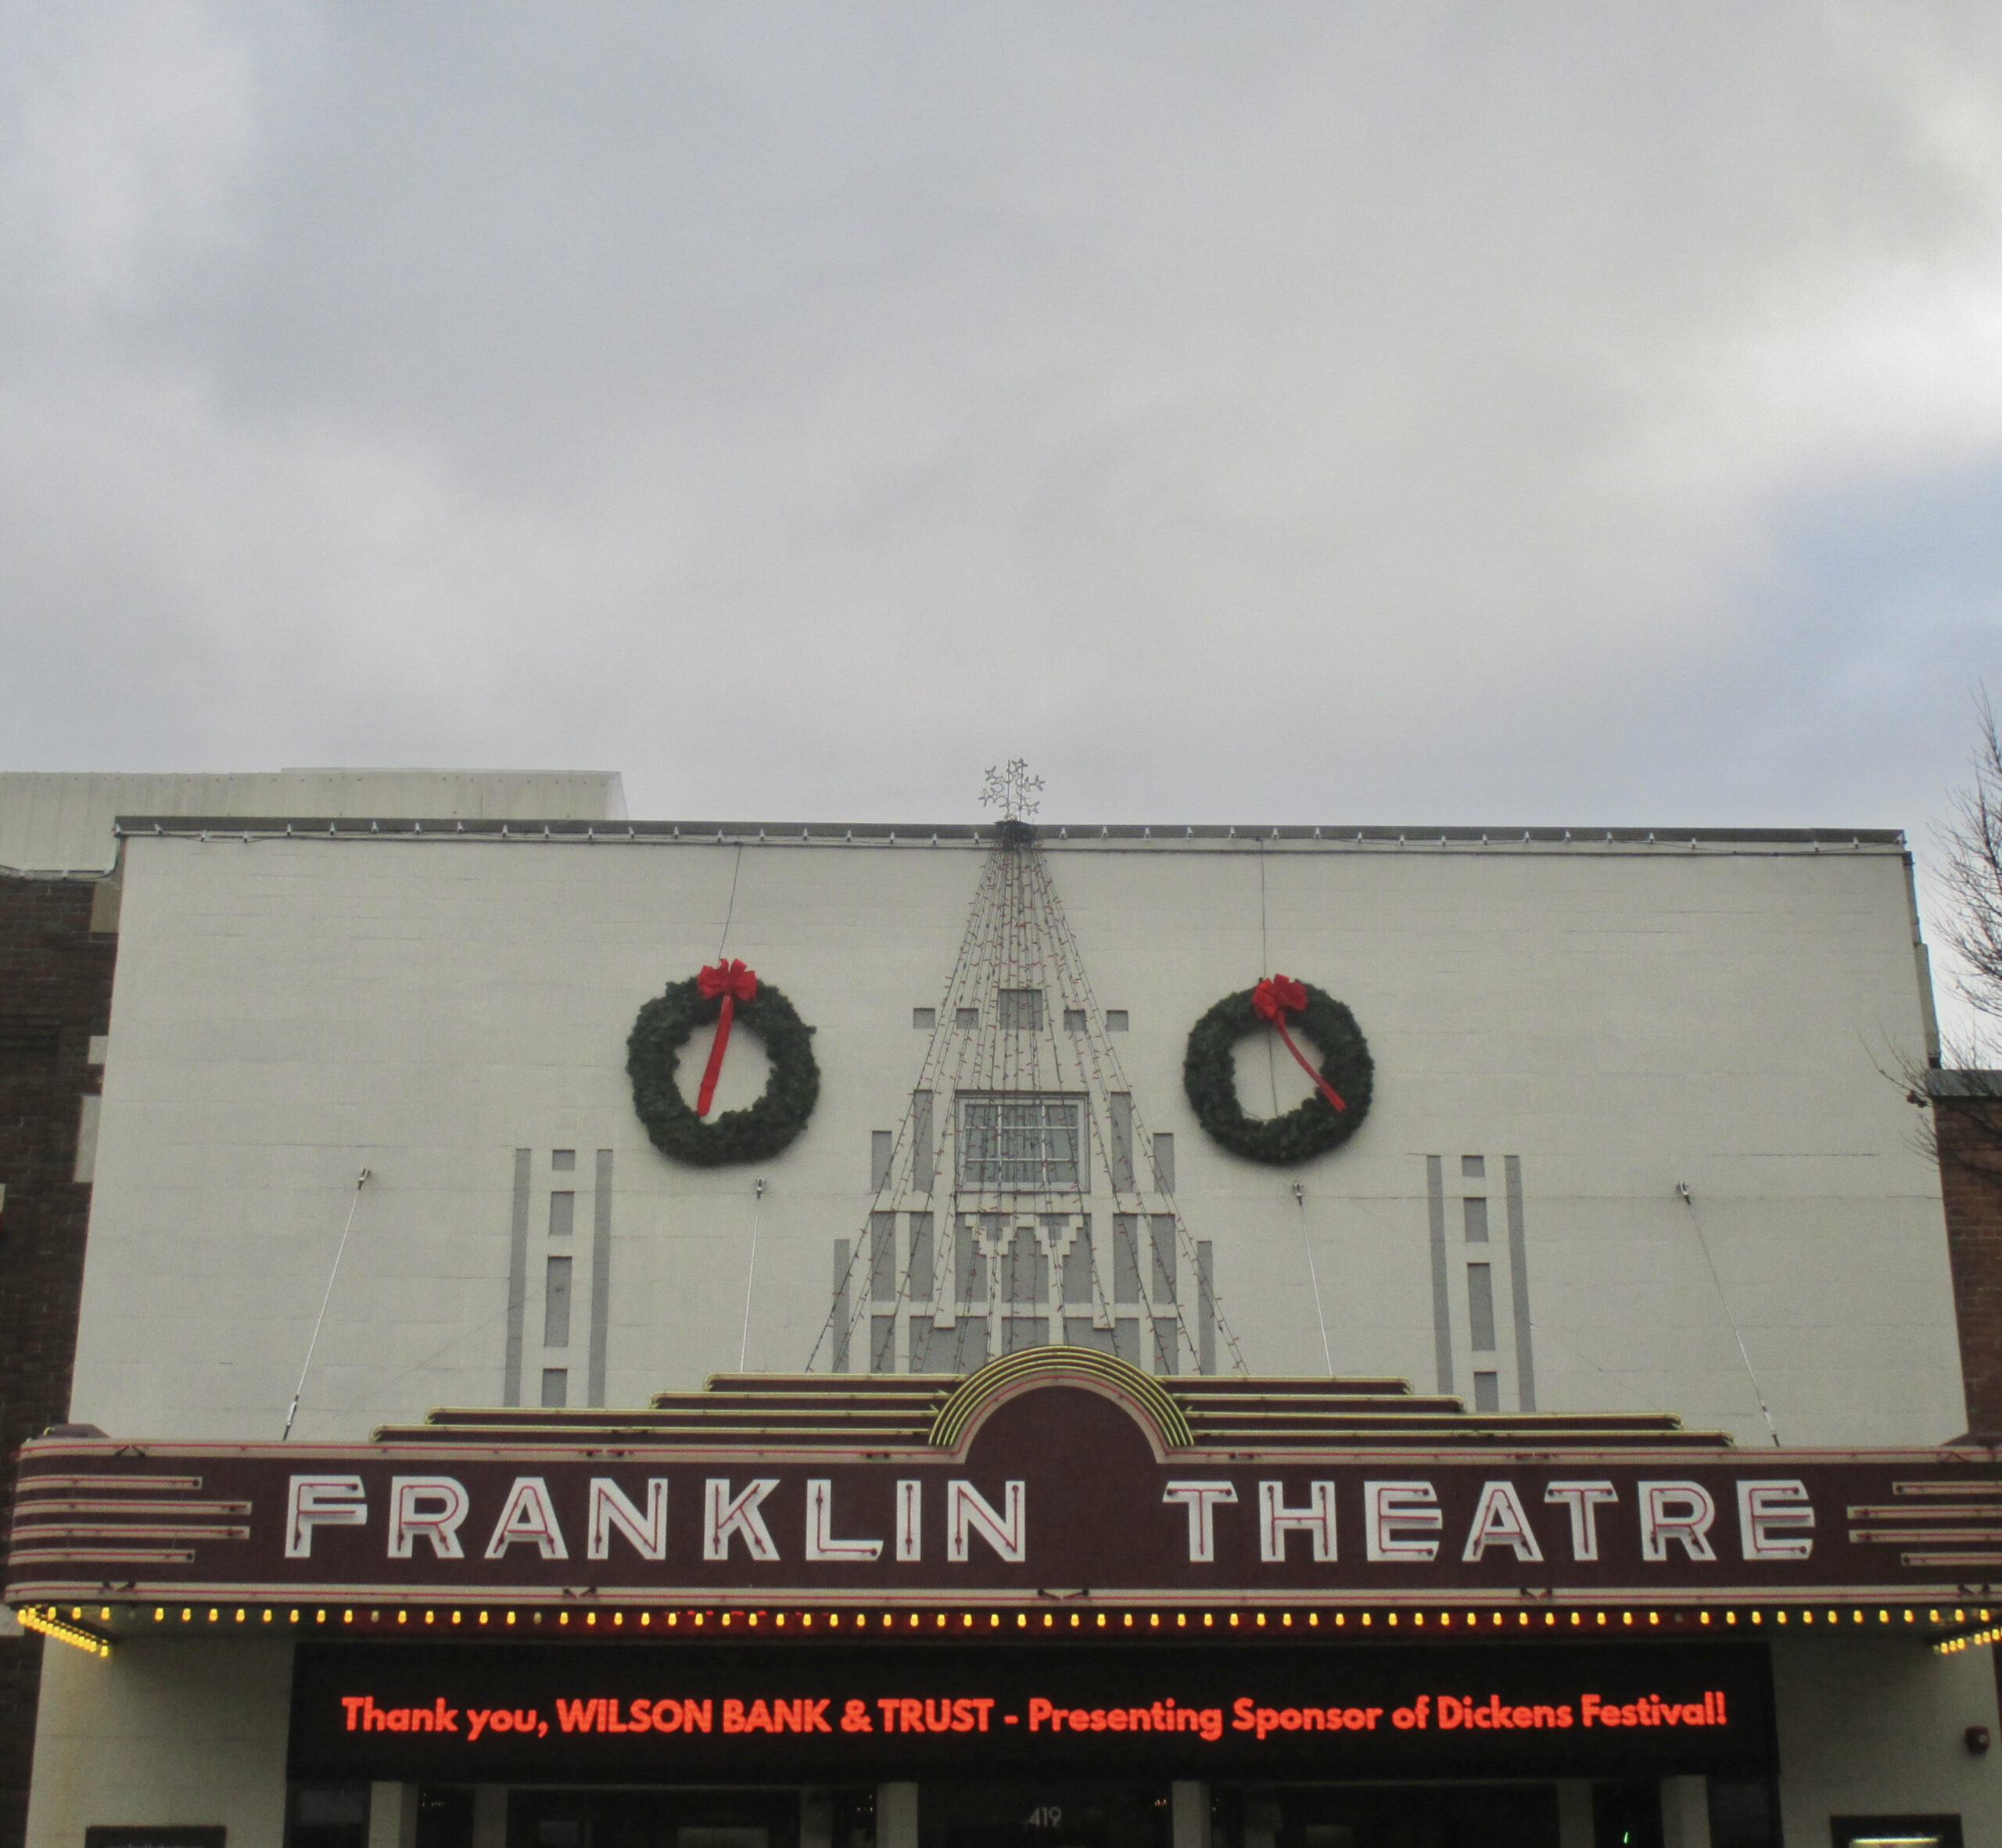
(514, 1713)
(1067, 1486)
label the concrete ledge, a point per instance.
(1500, 840)
(1964, 1084)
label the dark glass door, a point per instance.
(1043, 1815)
(1387, 1816)
(560, 1818)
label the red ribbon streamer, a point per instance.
(1273, 999)
(735, 983)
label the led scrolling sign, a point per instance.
(395, 1710)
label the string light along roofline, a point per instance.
(1201, 836)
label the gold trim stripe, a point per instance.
(971, 1395)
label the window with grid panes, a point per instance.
(1021, 1145)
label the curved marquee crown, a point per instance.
(1002, 1378)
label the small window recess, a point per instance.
(1020, 1011)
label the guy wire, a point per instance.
(1723, 1302)
(1314, 1278)
(327, 1296)
(736, 867)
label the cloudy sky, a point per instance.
(1317, 413)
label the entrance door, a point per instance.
(1388, 1816)
(1043, 1815)
(560, 1818)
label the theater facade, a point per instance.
(726, 1337)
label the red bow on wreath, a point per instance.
(1273, 999)
(735, 983)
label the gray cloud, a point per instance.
(1529, 414)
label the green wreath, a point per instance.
(1311, 1129)
(753, 1134)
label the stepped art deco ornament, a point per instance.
(986, 1224)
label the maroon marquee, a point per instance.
(1057, 1473)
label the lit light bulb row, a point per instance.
(46, 1623)
(1952, 1645)
(48, 1620)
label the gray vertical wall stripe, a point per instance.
(517, 1284)
(883, 1257)
(556, 1303)
(1079, 1282)
(1206, 1308)
(1126, 1258)
(1122, 1107)
(969, 1261)
(920, 1142)
(601, 1278)
(841, 1249)
(1442, 1313)
(1519, 1284)
(1481, 1307)
(1162, 1228)
(1024, 1269)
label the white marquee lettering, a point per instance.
(1202, 1500)
(529, 1515)
(821, 1543)
(610, 1509)
(1276, 1520)
(1396, 1516)
(428, 1508)
(1585, 1498)
(1682, 1511)
(321, 1501)
(1775, 1518)
(1501, 1520)
(910, 1515)
(725, 1516)
(968, 1511)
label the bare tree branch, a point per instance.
(1972, 873)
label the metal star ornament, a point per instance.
(1011, 789)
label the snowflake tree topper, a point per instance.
(1011, 789)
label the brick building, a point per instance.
(1967, 1120)
(55, 964)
